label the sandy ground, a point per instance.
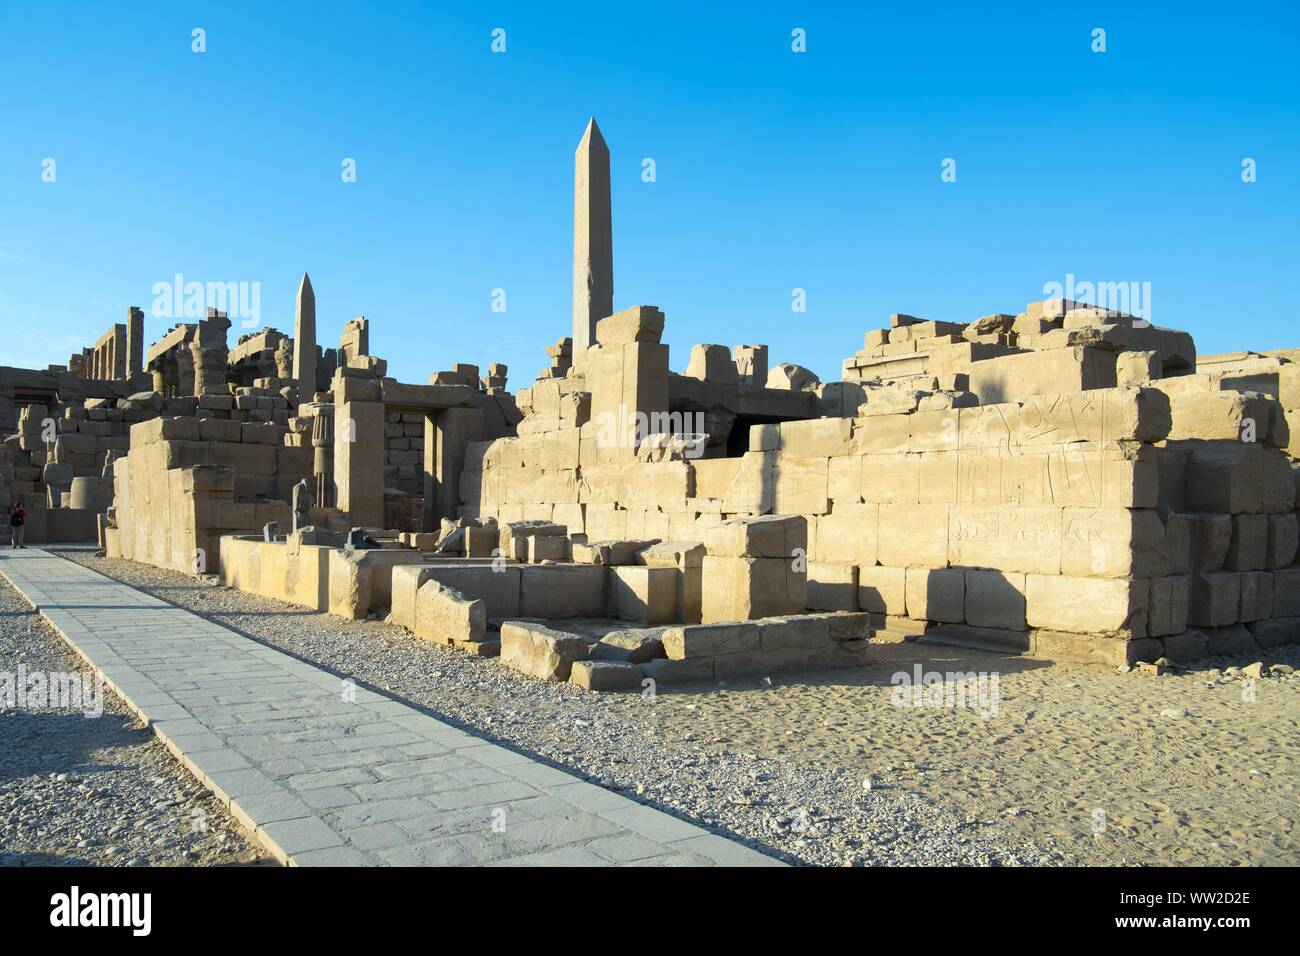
(1076, 764)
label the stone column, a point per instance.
(593, 242)
(134, 341)
(304, 342)
(359, 462)
(322, 443)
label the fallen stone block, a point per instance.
(605, 675)
(539, 651)
(446, 615)
(633, 645)
(679, 671)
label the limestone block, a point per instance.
(686, 558)
(816, 438)
(882, 590)
(710, 640)
(802, 485)
(754, 488)
(914, 536)
(634, 645)
(1113, 542)
(844, 481)
(446, 615)
(539, 651)
(883, 434)
(1056, 645)
(561, 590)
(1097, 416)
(1286, 592)
(1007, 539)
(765, 536)
(1187, 646)
(751, 363)
(644, 595)
(1137, 368)
(934, 431)
(1248, 548)
(740, 589)
(1218, 415)
(712, 363)
(481, 542)
(936, 594)
(497, 586)
(832, 587)
(641, 323)
(1229, 640)
(605, 675)
(1283, 538)
(547, 548)
(1170, 604)
(849, 535)
(1276, 631)
(995, 599)
(1208, 538)
(1238, 478)
(1215, 598)
(891, 479)
(1108, 606)
(1256, 596)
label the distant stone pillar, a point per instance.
(593, 241)
(134, 341)
(322, 443)
(304, 343)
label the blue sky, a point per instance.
(775, 170)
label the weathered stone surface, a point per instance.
(936, 594)
(1107, 606)
(539, 651)
(605, 675)
(710, 640)
(634, 645)
(882, 590)
(446, 615)
(995, 599)
(740, 589)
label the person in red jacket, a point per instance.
(17, 524)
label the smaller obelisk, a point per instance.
(304, 342)
(593, 242)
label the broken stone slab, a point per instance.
(539, 651)
(792, 378)
(633, 645)
(446, 615)
(605, 675)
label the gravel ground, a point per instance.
(805, 810)
(79, 791)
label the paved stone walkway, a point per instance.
(330, 774)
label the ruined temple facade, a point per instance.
(1061, 480)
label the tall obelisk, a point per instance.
(304, 342)
(593, 240)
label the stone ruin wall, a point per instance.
(1080, 517)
